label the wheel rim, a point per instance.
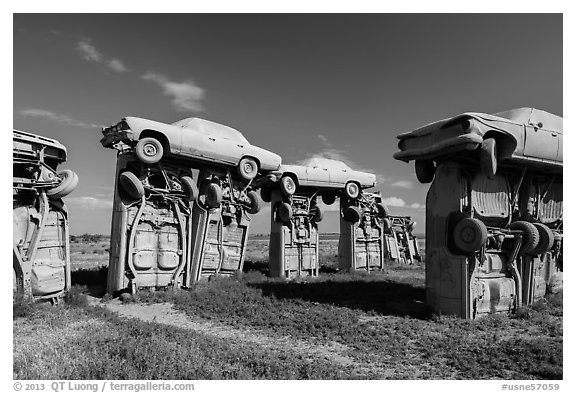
(468, 235)
(248, 168)
(289, 185)
(352, 189)
(149, 150)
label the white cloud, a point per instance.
(89, 203)
(394, 201)
(186, 96)
(117, 65)
(90, 53)
(402, 184)
(399, 202)
(59, 118)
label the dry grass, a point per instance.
(251, 326)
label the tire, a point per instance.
(530, 237)
(382, 210)
(131, 185)
(470, 234)
(190, 188)
(328, 199)
(545, 239)
(284, 212)
(287, 185)
(266, 194)
(318, 214)
(352, 214)
(213, 195)
(149, 150)
(247, 168)
(352, 190)
(424, 170)
(255, 202)
(488, 163)
(67, 185)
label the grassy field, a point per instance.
(369, 326)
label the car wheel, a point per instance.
(352, 214)
(352, 190)
(381, 210)
(247, 168)
(470, 234)
(149, 150)
(287, 185)
(488, 163)
(545, 239)
(131, 185)
(255, 202)
(318, 213)
(213, 195)
(424, 170)
(69, 182)
(284, 212)
(530, 236)
(190, 188)
(329, 198)
(266, 194)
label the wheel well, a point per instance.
(505, 144)
(255, 159)
(293, 176)
(157, 135)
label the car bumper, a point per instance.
(420, 149)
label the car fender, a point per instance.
(173, 133)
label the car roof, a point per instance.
(211, 128)
(533, 116)
(322, 162)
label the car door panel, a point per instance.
(541, 143)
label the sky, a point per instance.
(341, 86)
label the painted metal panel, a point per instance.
(362, 244)
(293, 250)
(149, 242)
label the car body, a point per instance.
(324, 172)
(193, 138)
(35, 159)
(522, 136)
(41, 248)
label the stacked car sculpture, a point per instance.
(185, 191)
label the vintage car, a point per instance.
(524, 136)
(41, 249)
(322, 173)
(193, 138)
(35, 159)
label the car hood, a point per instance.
(526, 116)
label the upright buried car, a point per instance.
(524, 136)
(494, 211)
(41, 248)
(192, 138)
